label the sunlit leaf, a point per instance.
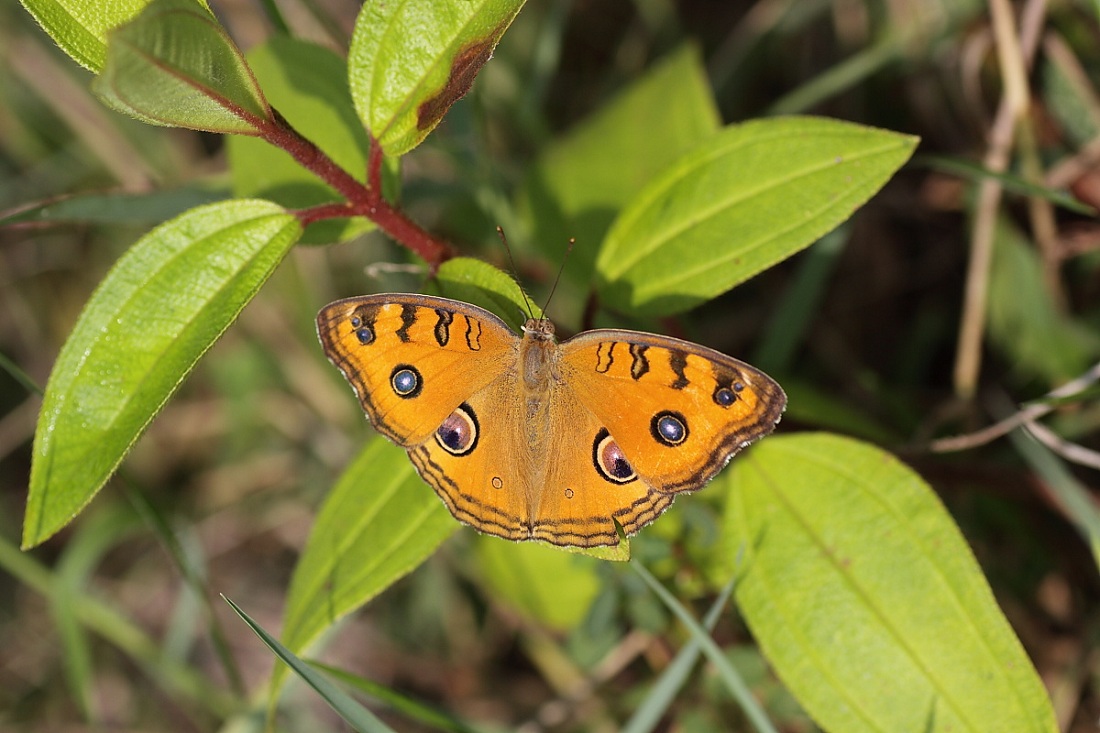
(582, 180)
(175, 65)
(377, 524)
(741, 201)
(867, 600)
(79, 27)
(158, 310)
(478, 282)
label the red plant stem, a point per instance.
(361, 200)
(374, 166)
(280, 134)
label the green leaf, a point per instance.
(541, 582)
(741, 201)
(114, 208)
(731, 678)
(407, 706)
(659, 697)
(410, 61)
(580, 183)
(357, 716)
(1024, 323)
(307, 83)
(478, 282)
(79, 27)
(175, 65)
(158, 310)
(1009, 181)
(866, 599)
(378, 523)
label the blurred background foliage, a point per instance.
(862, 330)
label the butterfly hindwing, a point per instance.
(475, 466)
(586, 489)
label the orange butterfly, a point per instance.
(528, 439)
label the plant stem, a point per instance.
(1014, 54)
(360, 199)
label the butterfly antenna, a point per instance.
(561, 269)
(515, 272)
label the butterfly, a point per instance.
(526, 438)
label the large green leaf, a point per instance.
(307, 84)
(410, 61)
(79, 27)
(377, 524)
(741, 201)
(175, 65)
(866, 598)
(158, 310)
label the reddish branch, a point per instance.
(360, 199)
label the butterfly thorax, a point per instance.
(539, 372)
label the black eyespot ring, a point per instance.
(609, 460)
(669, 428)
(459, 433)
(406, 381)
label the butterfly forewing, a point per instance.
(413, 360)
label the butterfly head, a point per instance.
(541, 329)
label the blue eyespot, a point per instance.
(669, 428)
(724, 396)
(406, 381)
